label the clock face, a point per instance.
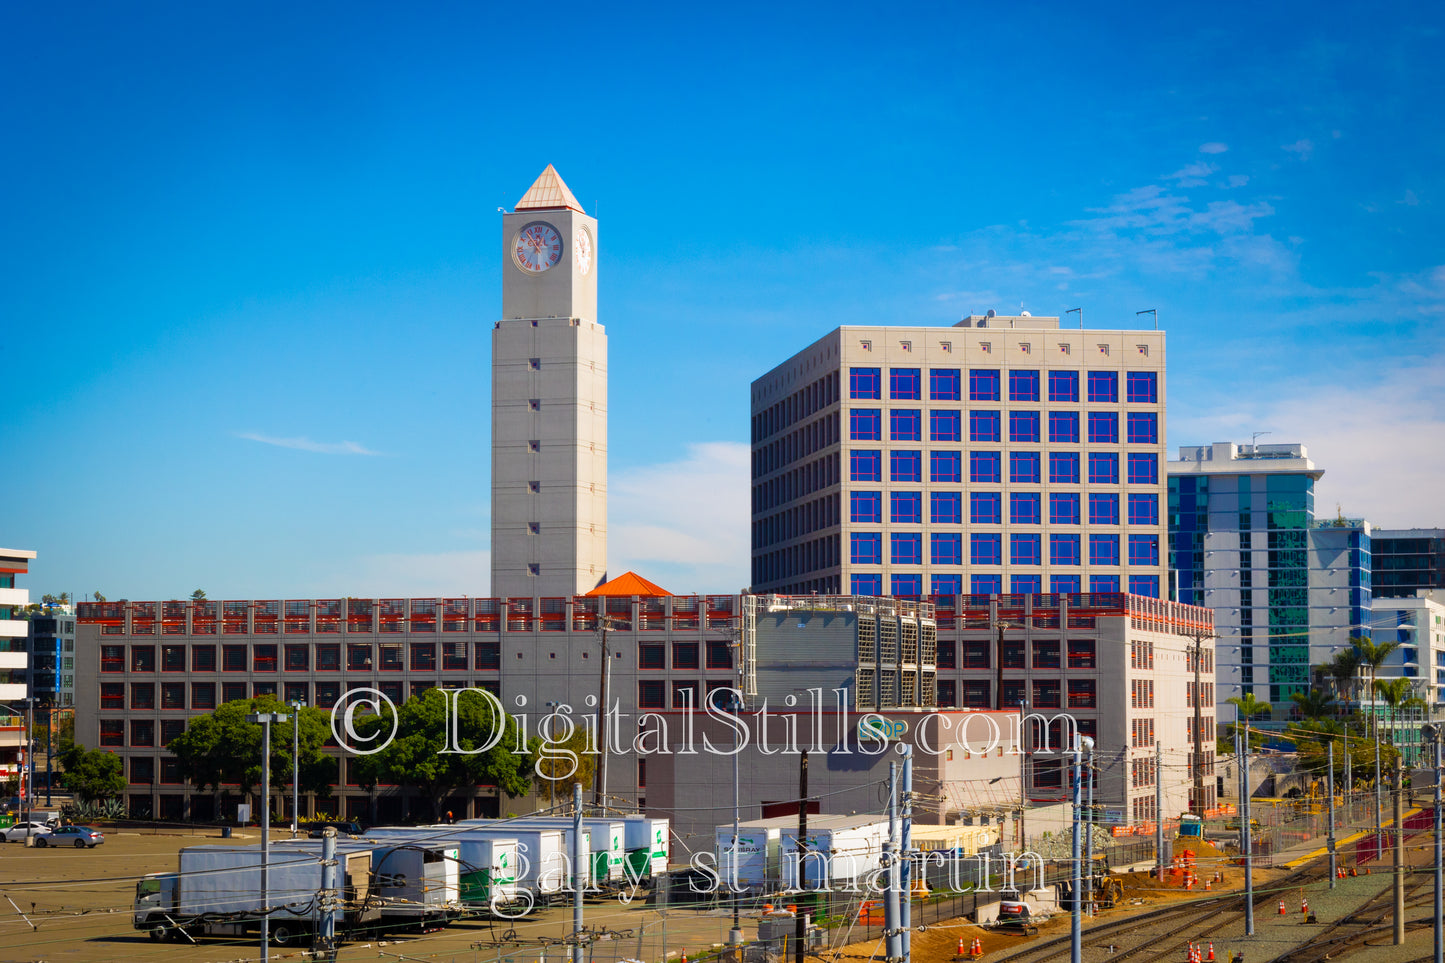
(582, 246)
(538, 247)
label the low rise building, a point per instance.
(14, 661)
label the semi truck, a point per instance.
(216, 891)
(414, 882)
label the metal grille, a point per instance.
(867, 639)
(887, 640)
(888, 688)
(910, 644)
(864, 696)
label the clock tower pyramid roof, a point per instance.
(548, 193)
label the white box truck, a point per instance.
(606, 839)
(414, 882)
(544, 863)
(841, 851)
(648, 842)
(217, 892)
(487, 875)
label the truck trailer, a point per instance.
(487, 876)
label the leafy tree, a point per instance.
(199, 595)
(1344, 673)
(415, 757)
(224, 749)
(1397, 696)
(555, 773)
(1373, 655)
(64, 733)
(97, 596)
(92, 774)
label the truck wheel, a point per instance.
(282, 934)
(158, 932)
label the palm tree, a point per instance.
(1249, 707)
(1398, 695)
(1344, 673)
(1373, 654)
(1314, 704)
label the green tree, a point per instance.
(64, 727)
(199, 595)
(1314, 704)
(97, 596)
(1398, 696)
(1373, 655)
(92, 774)
(555, 772)
(224, 749)
(1343, 671)
(415, 757)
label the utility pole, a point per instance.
(735, 937)
(905, 895)
(1433, 732)
(893, 941)
(999, 625)
(1246, 827)
(329, 876)
(1399, 794)
(1379, 819)
(1330, 789)
(1089, 834)
(265, 719)
(599, 781)
(295, 765)
(1198, 766)
(579, 873)
(800, 931)
(1076, 922)
(1159, 856)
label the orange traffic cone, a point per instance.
(1211, 951)
(1281, 907)
(977, 948)
(959, 955)
(1304, 906)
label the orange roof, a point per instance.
(548, 193)
(629, 584)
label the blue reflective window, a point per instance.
(905, 424)
(985, 508)
(905, 508)
(946, 508)
(1026, 584)
(986, 584)
(944, 384)
(865, 465)
(1143, 428)
(908, 585)
(947, 584)
(1064, 508)
(1064, 427)
(1064, 584)
(1063, 386)
(945, 466)
(1103, 583)
(867, 548)
(1103, 550)
(868, 584)
(907, 547)
(865, 424)
(1064, 467)
(1023, 385)
(1104, 387)
(1064, 549)
(983, 384)
(1025, 548)
(1143, 468)
(945, 424)
(866, 507)
(985, 466)
(984, 426)
(1103, 508)
(905, 466)
(1023, 508)
(1023, 426)
(1145, 585)
(947, 548)
(1142, 387)
(1143, 508)
(1143, 550)
(865, 382)
(905, 384)
(1023, 467)
(1103, 428)
(985, 548)
(1103, 468)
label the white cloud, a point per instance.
(1410, 200)
(1193, 175)
(1238, 180)
(306, 444)
(684, 524)
(1301, 148)
(1375, 440)
(1213, 147)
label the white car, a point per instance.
(17, 833)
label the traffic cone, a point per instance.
(1304, 906)
(1206, 886)
(1211, 951)
(977, 948)
(959, 955)
(1281, 907)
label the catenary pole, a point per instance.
(1076, 918)
(329, 874)
(892, 941)
(265, 719)
(735, 937)
(905, 893)
(1399, 835)
(599, 782)
(1089, 836)
(1330, 790)
(1439, 863)
(1159, 856)
(579, 873)
(1246, 827)
(800, 929)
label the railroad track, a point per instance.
(1374, 918)
(1178, 918)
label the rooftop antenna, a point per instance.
(1254, 438)
(1081, 316)
(1153, 311)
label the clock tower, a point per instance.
(549, 402)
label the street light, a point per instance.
(265, 719)
(296, 705)
(1431, 732)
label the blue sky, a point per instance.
(252, 254)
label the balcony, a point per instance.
(14, 629)
(13, 660)
(14, 596)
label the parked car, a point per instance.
(17, 833)
(314, 829)
(77, 836)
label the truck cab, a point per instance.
(155, 903)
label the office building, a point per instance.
(1288, 589)
(14, 661)
(1405, 561)
(1417, 626)
(52, 656)
(1002, 454)
(549, 402)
